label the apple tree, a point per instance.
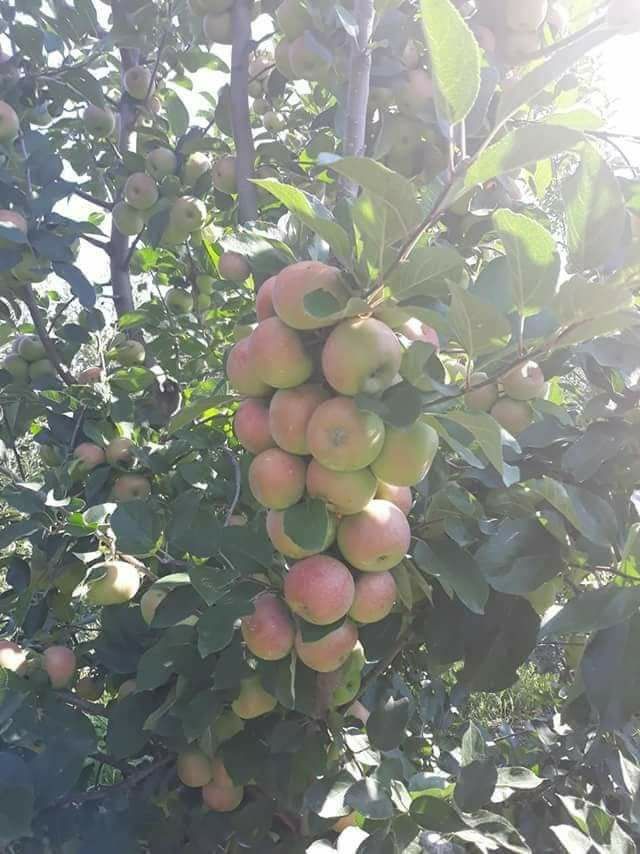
(319, 401)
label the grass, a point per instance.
(533, 694)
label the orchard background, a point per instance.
(391, 605)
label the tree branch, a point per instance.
(83, 705)
(240, 119)
(357, 98)
(92, 199)
(47, 343)
(129, 783)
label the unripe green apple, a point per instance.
(342, 437)
(141, 191)
(293, 18)
(253, 701)
(233, 267)
(261, 106)
(99, 123)
(203, 302)
(137, 81)
(273, 121)
(481, 399)
(195, 166)
(255, 88)
(41, 368)
(17, 367)
(119, 451)
(218, 28)
(224, 175)
(129, 353)
(127, 220)
(118, 584)
(309, 61)
(31, 268)
(361, 355)
(514, 415)
(30, 348)
(161, 162)
(179, 301)
(205, 283)
(187, 215)
(406, 455)
(9, 123)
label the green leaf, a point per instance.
(307, 524)
(456, 570)
(387, 722)
(534, 262)
(476, 784)
(587, 512)
(16, 798)
(475, 324)
(206, 405)
(594, 209)
(126, 735)
(518, 778)
(593, 610)
(579, 299)
(326, 797)
(455, 59)
(526, 88)
(217, 624)
(519, 557)
(81, 287)
(387, 186)
(473, 745)
(369, 799)
(516, 149)
(177, 114)
(312, 213)
(136, 527)
(486, 432)
(587, 330)
(427, 271)
(212, 582)
(610, 670)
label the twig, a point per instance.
(357, 97)
(58, 313)
(138, 565)
(552, 48)
(130, 782)
(12, 445)
(92, 199)
(238, 484)
(47, 343)
(97, 243)
(83, 705)
(240, 118)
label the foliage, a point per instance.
(486, 207)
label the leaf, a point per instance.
(217, 624)
(518, 778)
(207, 406)
(393, 189)
(580, 299)
(16, 798)
(476, 784)
(587, 512)
(475, 324)
(526, 88)
(473, 745)
(616, 321)
(369, 799)
(81, 287)
(455, 59)
(326, 797)
(519, 557)
(594, 211)
(387, 722)
(455, 569)
(136, 527)
(126, 735)
(427, 271)
(593, 610)
(534, 262)
(307, 524)
(516, 149)
(486, 431)
(312, 213)
(177, 114)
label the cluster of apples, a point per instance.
(215, 18)
(300, 374)
(119, 452)
(511, 409)
(27, 360)
(58, 662)
(513, 30)
(30, 267)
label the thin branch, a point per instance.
(240, 118)
(83, 705)
(126, 785)
(58, 313)
(92, 199)
(97, 243)
(138, 565)
(238, 484)
(357, 97)
(12, 445)
(47, 343)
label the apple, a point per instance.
(242, 372)
(195, 166)
(320, 589)
(524, 382)
(119, 583)
(261, 106)
(526, 15)
(89, 376)
(137, 82)
(205, 284)
(279, 355)
(194, 768)
(224, 175)
(251, 426)
(374, 597)
(17, 367)
(343, 492)
(9, 123)
(481, 399)
(90, 688)
(349, 678)
(41, 369)
(361, 355)
(306, 62)
(415, 93)
(12, 657)
(130, 487)
(416, 330)
(289, 414)
(221, 795)
(293, 18)
(31, 268)
(187, 215)
(285, 545)
(295, 282)
(253, 701)
(329, 652)
(99, 123)
(141, 191)
(376, 539)
(161, 162)
(513, 415)
(273, 121)
(127, 219)
(129, 353)
(282, 59)
(264, 299)
(342, 437)
(119, 451)
(89, 455)
(233, 267)
(12, 219)
(218, 28)
(406, 455)
(179, 301)
(150, 602)
(277, 479)
(401, 496)
(59, 663)
(268, 631)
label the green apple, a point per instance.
(161, 162)
(30, 348)
(41, 368)
(17, 367)
(179, 301)
(99, 122)
(128, 353)
(195, 166)
(127, 220)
